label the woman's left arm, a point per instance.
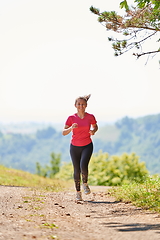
(95, 128)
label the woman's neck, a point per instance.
(81, 114)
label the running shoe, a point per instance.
(79, 196)
(86, 188)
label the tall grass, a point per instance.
(146, 195)
(13, 177)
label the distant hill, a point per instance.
(141, 135)
(22, 145)
(27, 127)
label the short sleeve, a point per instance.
(69, 121)
(93, 120)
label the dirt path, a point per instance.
(29, 214)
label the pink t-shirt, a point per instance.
(81, 135)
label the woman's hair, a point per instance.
(86, 97)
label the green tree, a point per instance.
(54, 164)
(40, 170)
(139, 24)
(49, 170)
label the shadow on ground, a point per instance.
(132, 227)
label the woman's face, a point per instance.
(81, 104)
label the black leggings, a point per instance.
(80, 158)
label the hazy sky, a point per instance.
(54, 51)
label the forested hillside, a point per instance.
(141, 135)
(22, 150)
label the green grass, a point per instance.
(13, 177)
(146, 195)
(49, 225)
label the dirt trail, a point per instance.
(29, 214)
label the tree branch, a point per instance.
(145, 53)
(142, 39)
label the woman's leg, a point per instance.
(75, 153)
(85, 158)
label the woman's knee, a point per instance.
(77, 173)
(84, 169)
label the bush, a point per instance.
(66, 172)
(110, 171)
(116, 170)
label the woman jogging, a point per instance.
(82, 125)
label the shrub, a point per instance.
(110, 170)
(116, 170)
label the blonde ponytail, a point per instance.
(86, 97)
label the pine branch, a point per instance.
(145, 53)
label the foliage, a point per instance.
(139, 24)
(141, 3)
(116, 170)
(49, 170)
(66, 172)
(144, 195)
(110, 171)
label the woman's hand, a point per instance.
(95, 128)
(68, 129)
(74, 125)
(92, 132)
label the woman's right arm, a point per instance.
(66, 130)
